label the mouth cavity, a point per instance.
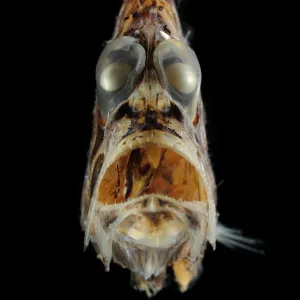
(151, 169)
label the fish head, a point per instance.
(149, 193)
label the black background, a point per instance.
(68, 40)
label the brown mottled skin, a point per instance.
(134, 14)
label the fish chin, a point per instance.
(149, 236)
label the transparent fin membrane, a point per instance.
(234, 238)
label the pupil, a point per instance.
(114, 76)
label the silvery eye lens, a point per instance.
(114, 76)
(118, 71)
(182, 77)
(179, 71)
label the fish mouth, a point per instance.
(151, 178)
(151, 162)
(152, 166)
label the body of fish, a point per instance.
(149, 196)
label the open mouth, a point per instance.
(150, 201)
(151, 169)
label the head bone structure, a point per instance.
(148, 200)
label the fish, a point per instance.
(149, 195)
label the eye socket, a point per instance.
(118, 71)
(179, 71)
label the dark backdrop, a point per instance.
(228, 47)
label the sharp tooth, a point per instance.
(154, 154)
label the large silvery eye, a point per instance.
(182, 77)
(118, 71)
(114, 76)
(179, 71)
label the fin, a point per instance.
(233, 238)
(178, 2)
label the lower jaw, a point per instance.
(191, 225)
